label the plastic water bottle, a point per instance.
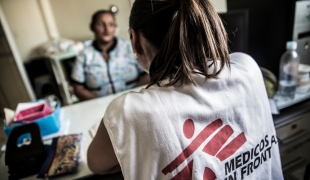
(288, 78)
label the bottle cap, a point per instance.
(291, 45)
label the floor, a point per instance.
(299, 173)
(296, 175)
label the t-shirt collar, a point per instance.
(95, 45)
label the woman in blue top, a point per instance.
(108, 65)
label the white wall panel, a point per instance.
(26, 24)
(73, 17)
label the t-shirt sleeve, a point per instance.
(77, 74)
(115, 123)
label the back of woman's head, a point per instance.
(188, 35)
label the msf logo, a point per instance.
(215, 147)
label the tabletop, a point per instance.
(81, 117)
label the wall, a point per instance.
(27, 25)
(33, 22)
(14, 85)
(220, 5)
(72, 17)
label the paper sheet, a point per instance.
(273, 107)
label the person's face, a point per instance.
(104, 28)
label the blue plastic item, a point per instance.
(48, 125)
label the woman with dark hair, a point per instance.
(107, 65)
(205, 113)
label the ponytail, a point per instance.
(188, 34)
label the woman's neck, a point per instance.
(104, 46)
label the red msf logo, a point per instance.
(214, 147)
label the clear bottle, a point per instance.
(56, 46)
(288, 78)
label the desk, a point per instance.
(59, 74)
(85, 114)
(293, 132)
(81, 117)
(284, 103)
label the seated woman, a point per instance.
(108, 65)
(205, 113)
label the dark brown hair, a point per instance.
(99, 12)
(187, 34)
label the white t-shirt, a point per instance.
(220, 129)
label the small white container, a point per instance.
(303, 70)
(304, 78)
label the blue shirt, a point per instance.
(101, 77)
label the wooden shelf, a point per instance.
(63, 56)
